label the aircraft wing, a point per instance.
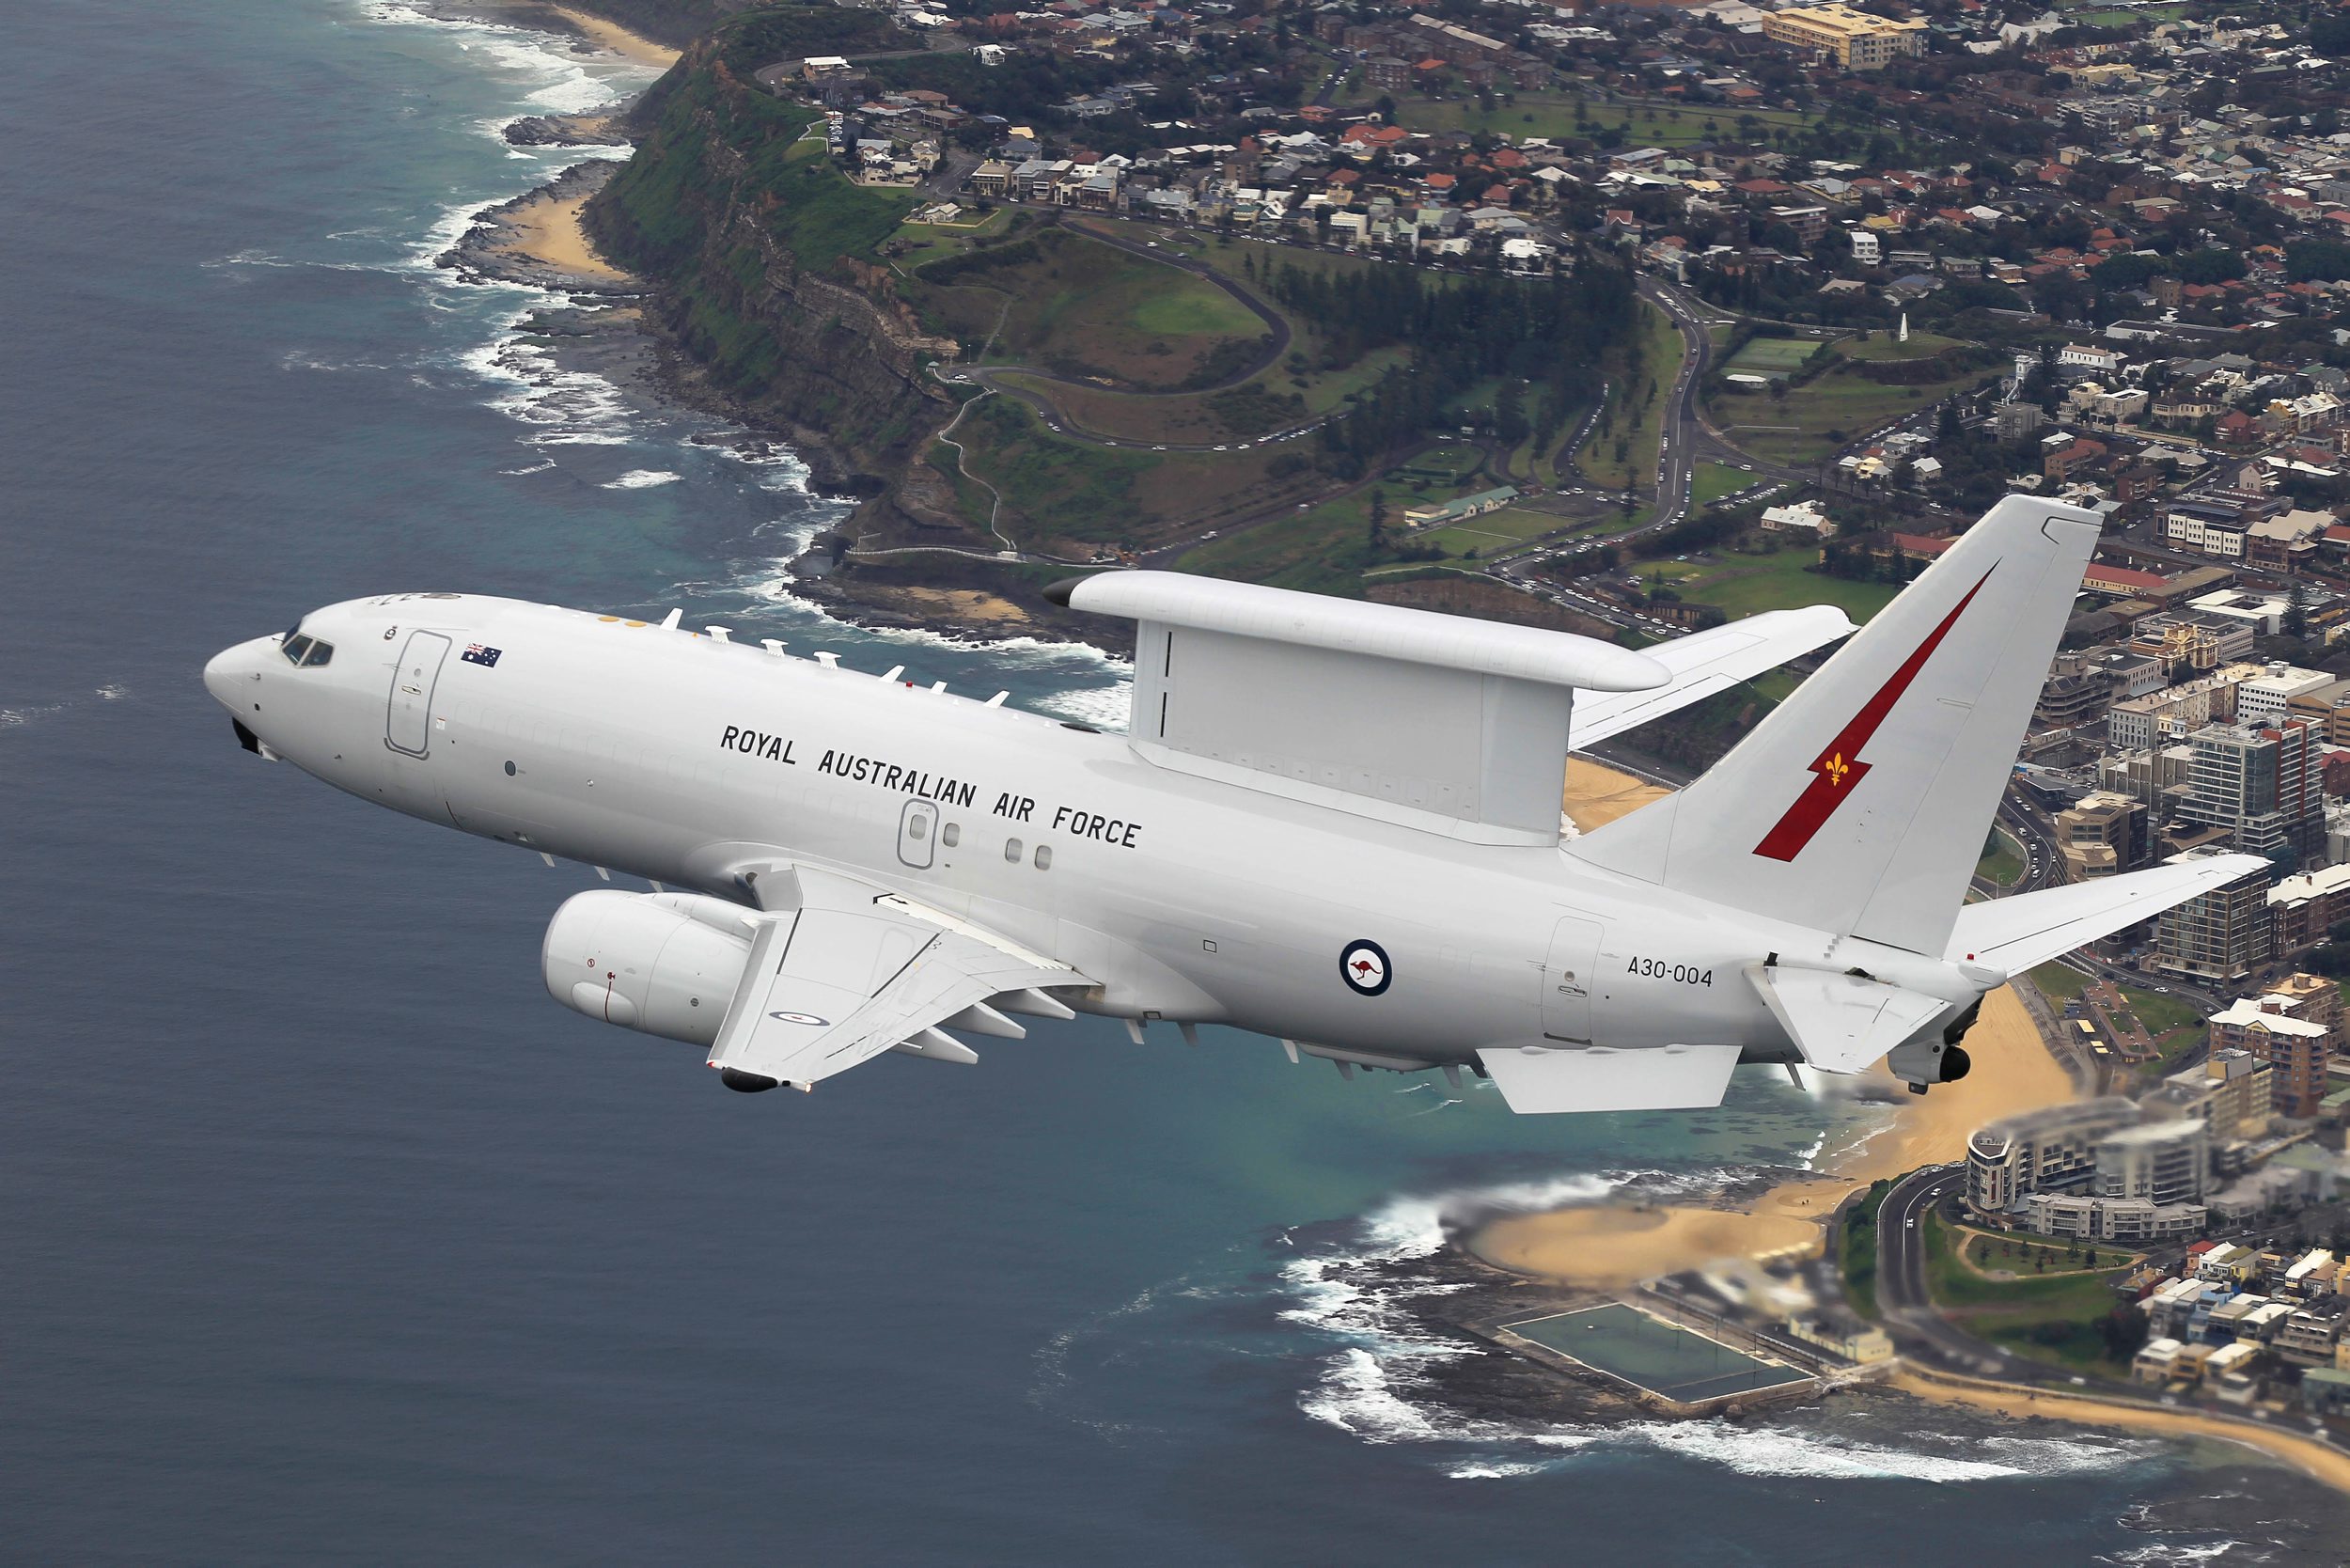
(2015, 933)
(854, 970)
(1707, 662)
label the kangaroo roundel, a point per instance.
(1365, 968)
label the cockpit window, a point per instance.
(320, 653)
(294, 648)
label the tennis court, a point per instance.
(1650, 1352)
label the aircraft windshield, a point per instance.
(306, 652)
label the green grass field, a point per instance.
(1858, 1249)
(2004, 864)
(1745, 585)
(1552, 114)
(2050, 1320)
(1503, 529)
(1637, 417)
(1772, 356)
(1713, 481)
(2059, 983)
(1885, 345)
(1809, 422)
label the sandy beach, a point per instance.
(2319, 1460)
(547, 228)
(618, 39)
(1597, 795)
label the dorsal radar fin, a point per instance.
(1444, 722)
(669, 621)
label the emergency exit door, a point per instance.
(917, 834)
(408, 721)
(1570, 977)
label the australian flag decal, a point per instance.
(476, 654)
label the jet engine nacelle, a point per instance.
(665, 964)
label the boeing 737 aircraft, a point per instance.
(1335, 822)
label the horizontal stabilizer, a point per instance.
(2015, 933)
(1707, 662)
(1538, 1079)
(1842, 1023)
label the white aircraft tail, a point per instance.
(1859, 806)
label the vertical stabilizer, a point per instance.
(1860, 804)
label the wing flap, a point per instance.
(1707, 662)
(2017, 934)
(1542, 1079)
(1842, 1023)
(854, 970)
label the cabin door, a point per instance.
(408, 720)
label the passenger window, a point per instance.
(320, 653)
(1044, 857)
(951, 835)
(294, 646)
(918, 827)
(1012, 851)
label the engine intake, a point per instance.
(661, 964)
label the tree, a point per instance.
(1378, 517)
(2294, 623)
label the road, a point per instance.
(1903, 1300)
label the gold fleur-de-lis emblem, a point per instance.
(1837, 768)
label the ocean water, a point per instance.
(325, 1235)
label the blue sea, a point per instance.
(325, 1236)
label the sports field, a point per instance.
(1650, 1352)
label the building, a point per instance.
(1854, 40)
(2222, 934)
(2162, 1161)
(1865, 249)
(2305, 909)
(2101, 835)
(2309, 1336)
(2267, 698)
(2116, 1219)
(2293, 1033)
(1800, 517)
(2229, 1096)
(2264, 787)
(1460, 507)
(2053, 1149)
(2136, 722)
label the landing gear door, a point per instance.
(1569, 977)
(917, 834)
(408, 720)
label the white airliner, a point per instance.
(1335, 822)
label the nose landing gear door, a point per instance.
(1569, 977)
(917, 834)
(408, 719)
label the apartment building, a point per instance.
(1854, 40)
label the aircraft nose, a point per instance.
(229, 672)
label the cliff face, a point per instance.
(753, 242)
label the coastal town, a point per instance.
(1787, 297)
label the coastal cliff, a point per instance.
(749, 238)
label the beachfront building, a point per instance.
(2048, 1151)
